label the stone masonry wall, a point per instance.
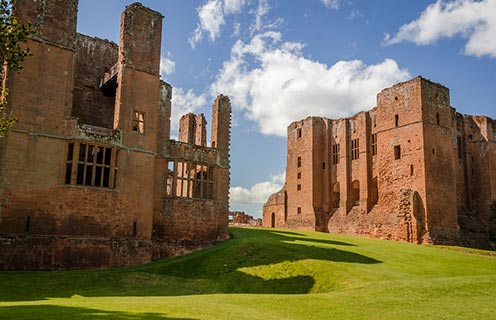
(410, 169)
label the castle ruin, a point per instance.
(411, 169)
(88, 175)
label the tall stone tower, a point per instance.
(220, 139)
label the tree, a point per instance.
(12, 34)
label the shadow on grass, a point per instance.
(74, 313)
(226, 268)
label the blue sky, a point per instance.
(283, 60)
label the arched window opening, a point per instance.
(336, 195)
(355, 193)
(374, 192)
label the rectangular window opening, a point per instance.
(335, 154)
(138, 122)
(95, 165)
(355, 147)
(298, 187)
(397, 152)
(298, 210)
(298, 164)
(374, 144)
(298, 133)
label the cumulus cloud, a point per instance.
(233, 6)
(274, 84)
(185, 102)
(258, 193)
(212, 18)
(331, 4)
(470, 19)
(167, 65)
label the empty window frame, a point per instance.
(189, 180)
(374, 144)
(335, 153)
(91, 165)
(138, 122)
(355, 149)
(397, 152)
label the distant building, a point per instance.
(89, 176)
(411, 169)
(239, 218)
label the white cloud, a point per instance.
(233, 6)
(262, 9)
(331, 4)
(167, 66)
(236, 29)
(184, 102)
(470, 19)
(212, 18)
(258, 193)
(283, 86)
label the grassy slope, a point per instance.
(268, 274)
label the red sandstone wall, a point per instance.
(407, 191)
(274, 210)
(94, 57)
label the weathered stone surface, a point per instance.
(241, 219)
(411, 169)
(86, 175)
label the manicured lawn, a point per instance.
(269, 274)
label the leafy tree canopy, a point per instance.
(12, 54)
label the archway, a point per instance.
(355, 193)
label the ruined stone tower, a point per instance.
(411, 169)
(88, 175)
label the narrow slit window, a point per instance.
(298, 132)
(298, 164)
(28, 223)
(438, 120)
(396, 120)
(298, 210)
(374, 144)
(298, 175)
(135, 228)
(397, 152)
(298, 187)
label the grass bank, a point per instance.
(269, 274)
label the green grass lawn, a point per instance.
(269, 274)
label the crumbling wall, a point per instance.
(94, 57)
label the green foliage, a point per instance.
(12, 54)
(268, 274)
